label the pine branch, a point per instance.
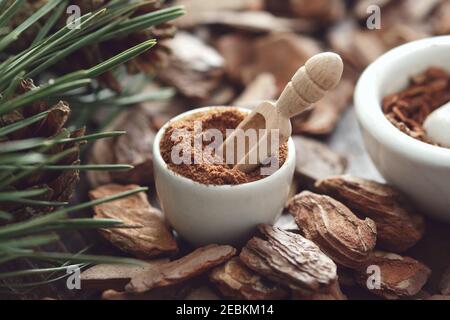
(22, 158)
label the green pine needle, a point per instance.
(29, 272)
(29, 225)
(14, 195)
(14, 35)
(23, 123)
(9, 12)
(51, 21)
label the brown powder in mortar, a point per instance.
(208, 172)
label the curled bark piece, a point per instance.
(315, 160)
(234, 280)
(344, 237)
(150, 235)
(289, 259)
(182, 269)
(398, 226)
(392, 276)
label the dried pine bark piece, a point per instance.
(315, 160)
(195, 68)
(180, 270)
(420, 10)
(290, 260)
(278, 54)
(113, 276)
(358, 47)
(344, 237)
(441, 19)
(150, 238)
(399, 276)
(235, 50)
(135, 148)
(324, 10)
(320, 10)
(235, 281)
(324, 117)
(281, 55)
(320, 121)
(398, 226)
(261, 89)
(256, 21)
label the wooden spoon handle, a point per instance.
(310, 83)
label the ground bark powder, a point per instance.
(208, 172)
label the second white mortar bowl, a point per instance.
(420, 170)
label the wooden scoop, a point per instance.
(310, 83)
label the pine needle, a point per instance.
(29, 272)
(14, 195)
(22, 123)
(10, 12)
(50, 22)
(14, 35)
(17, 228)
